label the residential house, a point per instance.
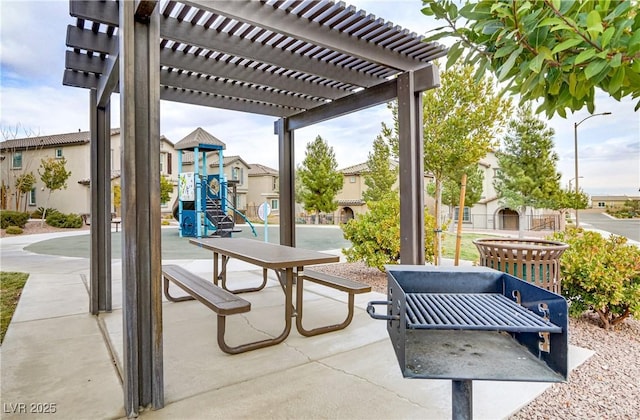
(350, 201)
(20, 156)
(263, 187)
(611, 201)
(490, 213)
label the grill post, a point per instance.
(461, 400)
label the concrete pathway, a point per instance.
(56, 356)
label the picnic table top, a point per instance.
(264, 254)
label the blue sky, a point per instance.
(32, 98)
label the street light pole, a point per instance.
(575, 145)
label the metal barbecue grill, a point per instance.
(466, 311)
(473, 323)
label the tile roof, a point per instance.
(197, 138)
(78, 137)
(361, 168)
(228, 160)
(257, 169)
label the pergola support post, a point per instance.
(139, 36)
(100, 186)
(286, 159)
(411, 154)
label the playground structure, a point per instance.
(203, 206)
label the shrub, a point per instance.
(375, 235)
(602, 275)
(37, 214)
(61, 220)
(14, 230)
(13, 218)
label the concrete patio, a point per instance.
(55, 352)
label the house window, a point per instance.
(352, 179)
(59, 154)
(466, 214)
(601, 204)
(32, 197)
(169, 169)
(274, 185)
(16, 162)
(163, 156)
(274, 204)
(236, 174)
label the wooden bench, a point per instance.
(345, 285)
(220, 301)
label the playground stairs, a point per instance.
(223, 223)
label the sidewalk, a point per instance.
(55, 352)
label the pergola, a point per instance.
(302, 62)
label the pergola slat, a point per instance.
(200, 64)
(277, 20)
(195, 35)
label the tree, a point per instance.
(550, 50)
(381, 175)
(568, 199)
(166, 188)
(54, 175)
(375, 235)
(451, 189)
(24, 184)
(527, 175)
(461, 119)
(319, 178)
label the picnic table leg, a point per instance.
(319, 330)
(288, 314)
(215, 268)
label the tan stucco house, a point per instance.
(263, 187)
(19, 156)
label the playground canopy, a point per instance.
(300, 61)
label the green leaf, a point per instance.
(616, 60)
(606, 36)
(594, 24)
(504, 51)
(634, 43)
(506, 67)
(620, 9)
(616, 80)
(584, 56)
(565, 45)
(454, 53)
(536, 64)
(550, 21)
(594, 68)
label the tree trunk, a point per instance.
(46, 207)
(317, 217)
(437, 241)
(522, 218)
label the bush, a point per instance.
(13, 218)
(61, 220)
(37, 214)
(14, 230)
(602, 275)
(375, 235)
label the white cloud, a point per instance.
(31, 94)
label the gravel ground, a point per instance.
(606, 386)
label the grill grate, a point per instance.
(485, 311)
